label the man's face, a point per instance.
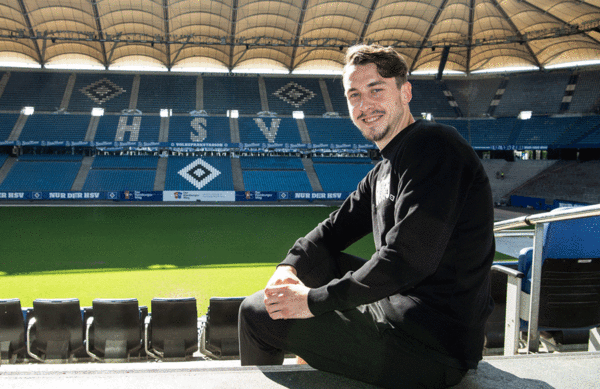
(377, 106)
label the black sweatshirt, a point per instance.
(429, 206)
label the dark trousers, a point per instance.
(355, 343)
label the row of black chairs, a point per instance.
(56, 330)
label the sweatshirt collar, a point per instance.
(390, 149)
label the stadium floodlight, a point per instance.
(97, 111)
(166, 112)
(234, 113)
(524, 115)
(27, 111)
(298, 114)
(427, 115)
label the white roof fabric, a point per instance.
(297, 35)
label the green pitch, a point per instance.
(146, 252)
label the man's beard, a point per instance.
(371, 135)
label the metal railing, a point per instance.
(501, 229)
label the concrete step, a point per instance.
(545, 371)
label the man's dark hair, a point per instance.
(388, 62)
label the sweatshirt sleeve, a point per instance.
(433, 181)
(344, 226)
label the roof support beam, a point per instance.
(367, 22)
(112, 50)
(100, 33)
(428, 34)
(557, 18)
(298, 32)
(517, 33)
(167, 44)
(36, 46)
(470, 35)
(234, 8)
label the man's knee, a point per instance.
(252, 313)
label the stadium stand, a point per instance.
(140, 128)
(274, 174)
(52, 127)
(335, 88)
(208, 129)
(428, 96)
(110, 91)
(268, 130)
(165, 91)
(565, 180)
(585, 96)
(578, 130)
(199, 173)
(541, 94)
(473, 96)
(44, 172)
(42, 90)
(286, 95)
(334, 130)
(341, 174)
(224, 93)
(121, 173)
(543, 130)
(7, 122)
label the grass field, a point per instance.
(146, 252)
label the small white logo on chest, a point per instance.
(382, 190)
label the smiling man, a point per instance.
(412, 315)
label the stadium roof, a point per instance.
(296, 35)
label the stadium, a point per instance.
(161, 157)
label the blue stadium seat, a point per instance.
(115, 329)
(42, 173)
(224, 93)
(12, 330)
(268, 130)
(56, 330)
(286, 95)
(110, 91)
(51, 127)
(338, 131)
(7, 123)
(341, 174)
(171, 331)
(41, 90)
(166, 91)
(211, 129)
(199, 173)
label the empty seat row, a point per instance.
(116, 329)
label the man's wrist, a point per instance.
(290, 268)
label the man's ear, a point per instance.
(406, 92)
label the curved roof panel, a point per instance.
(300, 34)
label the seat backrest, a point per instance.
(570, 279)
(116, 327)
(576, 238)
(221, 336)
(12, 328)
(174, 326)
(58, 328)
(570, 293)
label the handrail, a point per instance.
(546, 217)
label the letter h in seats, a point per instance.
(12, 330)
(56, 330)
(219, 338)
(113, 331)
(557, 285)
(171, 328)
